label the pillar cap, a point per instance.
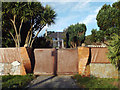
(83, 45)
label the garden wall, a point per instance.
(103, 70)
(14, 61)
(100, 65)
(83, 60)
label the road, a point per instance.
(52, 82)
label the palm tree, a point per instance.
(46, 18)
(16, 14)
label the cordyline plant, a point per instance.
(14, 14)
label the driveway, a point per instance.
(52, 82)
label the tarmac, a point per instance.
(52, 82)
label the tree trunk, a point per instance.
(34, 38)
(28, 36)
(36, 35)
(30, 39)
(17, 37)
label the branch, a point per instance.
(30, 39)
(14, 26)
(12, 36)
(14, 18)
(20, 29)
(26, 41)
(20, 26)
(36, 35)
(13, 22)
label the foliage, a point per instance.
(100, 36)
(7, 40)
(42, 42)
(96, 37)
(94, 82)
(17, 13)
(109, 17)
(114, 50)
(88, 40)
(16, 81)
(9, 12)
(75, 34)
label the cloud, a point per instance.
(92, 17)
(97, 10)
(81, 5)
(89, 19)
(63, 22)
(75, 0)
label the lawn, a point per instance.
(16, 81)
(94, 82)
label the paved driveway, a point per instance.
(53, 82)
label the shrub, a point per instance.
(114, 50)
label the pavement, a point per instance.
(52, 82)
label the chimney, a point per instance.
(46, 32)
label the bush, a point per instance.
(114, 50)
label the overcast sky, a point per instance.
(75, 11)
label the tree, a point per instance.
(114, 50)
(76, 34)
(88, 40)
(7, 40)
(0, 24)
(42, 42)
(100, 36)
(116, 5)
(108, 19)
(94, 35)
(20, 12)
(9, 13)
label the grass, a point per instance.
(16, 81)
(94, 82)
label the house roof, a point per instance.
(99, 55)
(56, 35)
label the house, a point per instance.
(57, 38)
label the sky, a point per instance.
(72, 12)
